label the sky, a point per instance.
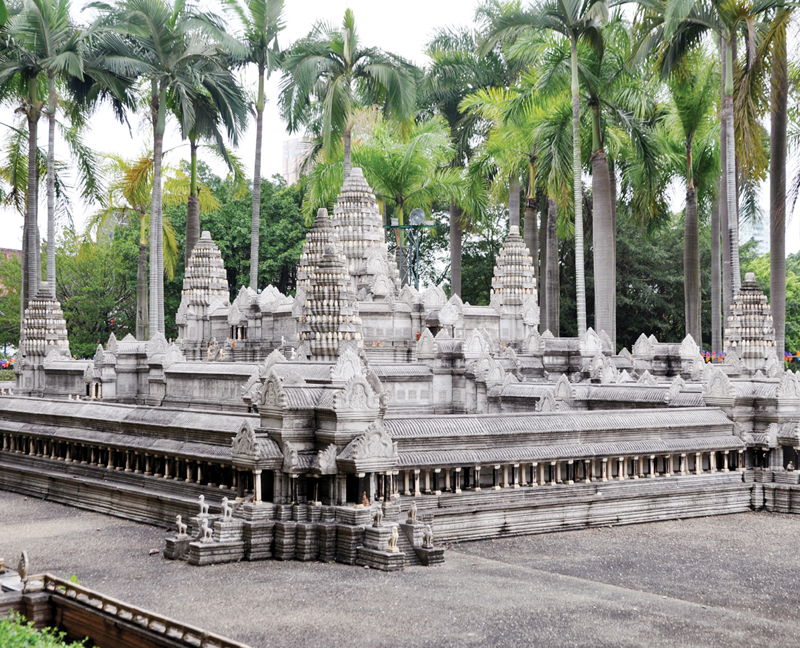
(399, 27)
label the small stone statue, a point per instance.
(203, 506)
(364, 499)
(378, 517)
(391, 545)
(22, 567)
(412, 513)
(205, 532)
(790, 467)
(210, 352)
(180, 526)
(283, 341)
(427, 537)
(227, 509)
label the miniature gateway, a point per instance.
(457, 422)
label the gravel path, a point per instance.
(723, 581)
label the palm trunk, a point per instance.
(513, 204)
(716, 288)
(156, 315)
(580, 280)
(255, 223)
(551, 273)
(542, 285)
(730, 173)
(691, 267)
(347, 144)
(531, 234)
(605, 279)
(725, 233)
(777, 189)
(141, 291)
(193, 205)
(612, 178)
(32, 266)
(455, 249)
(51, 188)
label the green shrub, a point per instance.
(7, 374)
(16, 633)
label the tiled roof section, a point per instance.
(268, 448)
(548, 422)
(532, 453)
(302, 396)
(394, 370)
(311, 371)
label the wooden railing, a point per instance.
(164, 626)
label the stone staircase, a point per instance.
(404, 544)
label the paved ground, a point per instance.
(724, 581)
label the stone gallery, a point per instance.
(365, 422)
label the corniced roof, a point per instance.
(242, 369)
(398, 370)
(499, 455)
(554, 422)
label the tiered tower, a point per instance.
(328, 322)
(514, 289)
(360, 229)
(205, 288)
(44, 331)
(749, 331)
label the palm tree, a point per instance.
(692, 86)
(263, 22)
(175, 46)
(219, 102)
(456, 70)
(128, 200)
(575, 20)
(328, 74)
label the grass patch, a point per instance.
(15, 632)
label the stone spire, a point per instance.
(513, 282)
(205, 280)
(44, 328)
(359, 226)
(328, 322)
(748, 331)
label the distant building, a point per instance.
(295, 151)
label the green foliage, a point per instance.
(759, 265)
(11, 280)
(16, 633)
(94, 286)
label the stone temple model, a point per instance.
(365, 422)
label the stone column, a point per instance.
(555, 473)
(417, 491)
(515, 472)
(587, 471)
(712, 461)
(698, 463)
(257, 486)
(427, 488)
(683, 464)
(571, 471)
(725, 461)
(437, 486)
(505, 483)
(166, 466)
(189, 479)
(239, 483)
(447, 486)
(477, 479)
(668, 466)
(457, 486)
(110, 463)
(523, 474)
(406, 489)
(147, 465)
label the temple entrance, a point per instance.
(352, 489)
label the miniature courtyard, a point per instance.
(661, 584)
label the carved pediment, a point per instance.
(326, 460)
(235, 315)
(409, 295)
(272, 359)
(111, 345)
(564, 390)
(625, 354)
(433, 298)
(647, 379)
(426, 345)
(180, 316)
(530, 311)
(675, 389)
(88, 374)
(533, 342)
(156, 345)
(475, 344)
(273, 395)
(244, 444)
(643, 347)
(717, 384)
(689, 348)
(375, 443)
(299, 301)
(773, 367)
(99, 355)
(382, 286)
(291, 460)
(348, 364)
(449, 315)
(548, 402)
(624, 377)
(732, 359)
(251, 390)
(590, 343)
(173, 355)
(357, 396)
(789, 386)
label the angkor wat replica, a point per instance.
(365, 422)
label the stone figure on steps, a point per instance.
(790, 467)
(378, 517)
(427, 537)
(203, 506)
(181, 527)
(227, 509)
(391, 545)
(364, 499)
(412, 513)
(205, 532)
(23, 566)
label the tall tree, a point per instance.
(263, 22)
(329, 73)
(575, 20)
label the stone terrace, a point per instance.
(667, 584)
